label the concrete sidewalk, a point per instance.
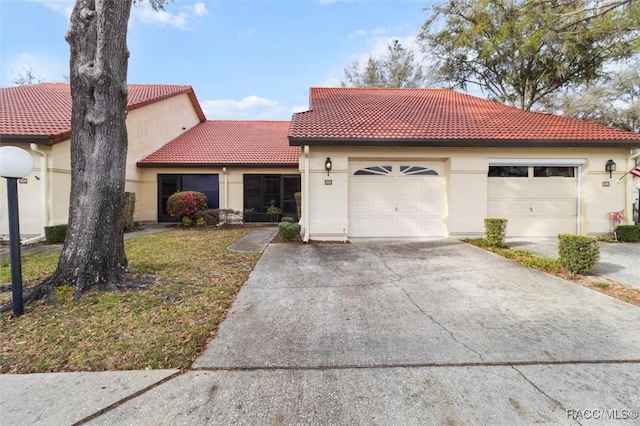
(379, 333)
(151, 228)
(619, 262)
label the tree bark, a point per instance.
(93, 252)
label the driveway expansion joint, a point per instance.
(510, 364)
(128, 398)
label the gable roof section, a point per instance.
(42, 112)
(437, 117)
(227, 143)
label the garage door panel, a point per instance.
(396, 204)
(554, 207)
(534, 206)
(383, 207)
(552, 188)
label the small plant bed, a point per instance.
(623, 292)
(187, 281)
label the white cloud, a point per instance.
(161, 18)
(379, 46)
(249, 108)
(200, 9)
(366, 33)
(62, 6)
(184, 19)
(331, 82)
(45, 67)
(247, 33)
(299, 108)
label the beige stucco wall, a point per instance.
(230, 191)
(466, 176)
(148, 128)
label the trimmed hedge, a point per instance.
(628, 233)
(211, 217)
(288, 219)
(578, 253)
(55, 234)
(289, 230)
(129, 209)
(496, 231)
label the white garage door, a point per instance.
(538, 201)
(396, 199)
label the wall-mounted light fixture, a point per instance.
(610, 167)
(328, 165)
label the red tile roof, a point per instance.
(437, 117)
(45, 109)
(225, 143)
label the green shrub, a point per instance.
(129, 210)
(201, 222)
(288, 219)
(186, 203)
(211, 217)
(55, 234)
(186, 221)
(289, 230)
(628, 233)
(229, 215)
(496, 231)
(273, 210)
(578, 253)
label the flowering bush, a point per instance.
(186, 203)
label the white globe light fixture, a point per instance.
(15, 163)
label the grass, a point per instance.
(609, 287)
(166, 326)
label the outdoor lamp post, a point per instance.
(15, 163)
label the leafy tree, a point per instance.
(26, 76)
(397, 69)
(613, 101)
(93, 252)
(521, 51)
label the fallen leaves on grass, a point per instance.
(165, 326)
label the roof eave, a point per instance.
(464, 143)
(213, 165)
(37, 139)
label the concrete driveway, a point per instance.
(404, 333)
(618, 261)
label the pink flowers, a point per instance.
(186, 203)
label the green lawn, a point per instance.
(165, 326)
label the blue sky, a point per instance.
(246, 59)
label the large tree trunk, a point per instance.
(93, 252)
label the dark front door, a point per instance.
(170, 184)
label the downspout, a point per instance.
(226, 188)
(579, 202)
(634, 159)
(305, 196)
(44, 172)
